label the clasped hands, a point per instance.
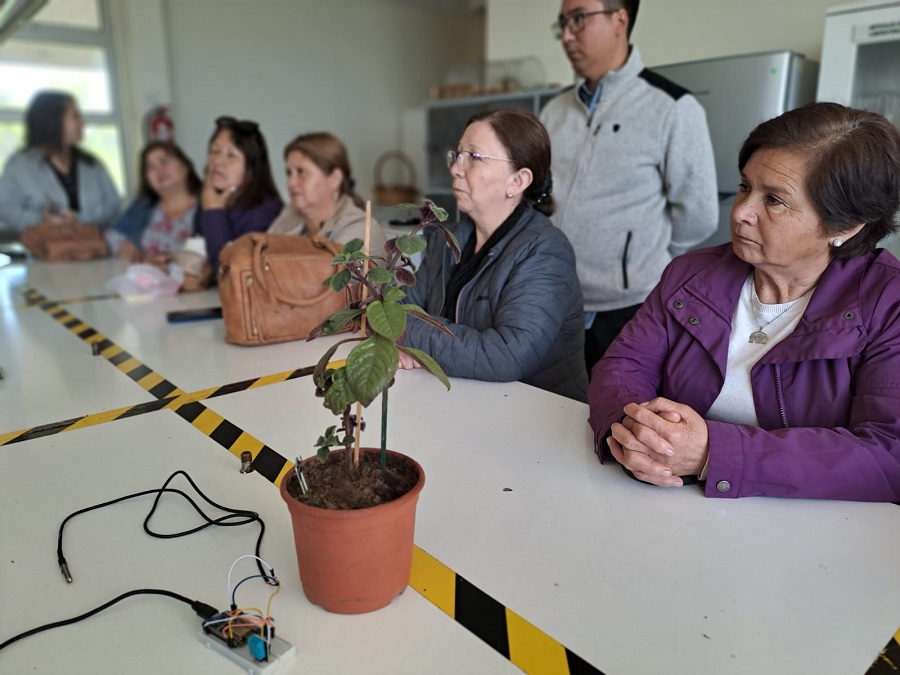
(660, 440)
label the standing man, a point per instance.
(633, 167)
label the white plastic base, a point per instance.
(280, 652)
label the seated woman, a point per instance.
(161, 219)
(53, 181)
(239, 195)
(513, 301)
(322, 198)
(768, 366)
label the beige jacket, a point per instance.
(346, 222)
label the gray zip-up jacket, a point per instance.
(29, 187)
(519, 318)
(635, 183)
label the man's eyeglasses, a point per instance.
(575, 22)
(244, 126)
(464, 158)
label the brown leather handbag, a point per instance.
(271, 287)
(58, 243)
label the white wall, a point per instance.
(353, 67)
(667, 31)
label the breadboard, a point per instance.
(280, 652)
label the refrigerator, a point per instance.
(861, 62)
(737, 93)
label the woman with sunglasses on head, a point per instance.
(238, 195)
(323, 202)
(53, 181)
(161, 219)
(513, 300)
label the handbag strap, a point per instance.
(276, 294)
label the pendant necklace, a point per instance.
(759, 336)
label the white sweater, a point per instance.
(635, 184)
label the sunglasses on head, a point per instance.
(245, 126)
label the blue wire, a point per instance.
(255, 576)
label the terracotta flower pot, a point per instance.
(355, 561)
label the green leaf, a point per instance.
(339, 319)
(439, 213)
(353, 246)
(451, 242)
(379, 275)
(322, 454)
(394, 294)
(338, 395)
(409, 245)
(319, 372)
(422, 315)
(387, 318)
(429, 363)
(358, 256)
(371, 366)
(339, 281)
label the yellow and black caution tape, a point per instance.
(265, 461)
(32, 298)
(150, 381)
(173, 403)
(888, 661)
(522, 643)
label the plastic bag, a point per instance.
(143, 282)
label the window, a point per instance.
(65, 46)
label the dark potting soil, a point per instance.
(331, 487)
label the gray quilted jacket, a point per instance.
(519, 318)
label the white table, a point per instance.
(632, 578)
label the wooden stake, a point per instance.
(358, 430)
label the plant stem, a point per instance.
(384, 413)
(362, 328)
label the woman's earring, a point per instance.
(508, 196)
(836, 243)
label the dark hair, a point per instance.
(327, 152)
(630, 7)
(258, 184)
(852, 168)
(44, 123)
(528, 145)
(145, 190)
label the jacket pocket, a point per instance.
(625, 260)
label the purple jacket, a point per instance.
(827, 396)
(220, 226)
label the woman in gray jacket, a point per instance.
(53, 180)
(513, 300)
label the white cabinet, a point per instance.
(861, 57)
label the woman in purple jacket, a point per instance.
(771, 365)
(238, 195)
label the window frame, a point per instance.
(101, 38)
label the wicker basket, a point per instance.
(390, 195)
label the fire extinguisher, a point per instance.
(158, 124)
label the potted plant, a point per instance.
(353, 509)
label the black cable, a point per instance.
(234, 518)
(201, 608)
